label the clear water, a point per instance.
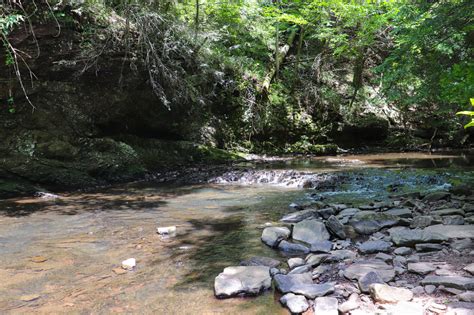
(84, 236)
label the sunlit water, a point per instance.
(84, 236)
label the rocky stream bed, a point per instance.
(412, 254)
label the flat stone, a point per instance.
(315, 260)
(400, 212)
(453, 220)
(469, 268)
(384, 293)
(421, 268)
(321, 247)
(300, 269)
(418, 290)
(407, 237)
(312, 291)
(359, 269)
(449, 211)
(273, 235)
(457, 282)
(335, 227)
(428, 247)
(326, 306)
(340, 255)
(467, 296)
(369, 222)
(284, 283)
(421, 221)
(462, 244)
(119, 271)
(366, 280)
(384, 257)
(310, 231)
(349, 212)
(298, 216)
(402, 251)
(292, 248)
(295, 303)
(319, 270)
(261, 261)
(452, 231)
(371, 247)
(436, 196)
(295, 262)
(242, 280)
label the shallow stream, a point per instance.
(58, 255)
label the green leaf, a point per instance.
(466, 112)
(471, 124)
(472, 101)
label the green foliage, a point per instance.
(468, 113)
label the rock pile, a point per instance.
(412, 254)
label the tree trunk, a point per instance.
(280, 56)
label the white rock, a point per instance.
(167, 230)
(129, 264)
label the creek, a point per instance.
(57, 255)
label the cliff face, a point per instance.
(89, 124)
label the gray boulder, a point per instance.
(452, 231)
(310, 231)
(421, 221)
(295, 303)
(400, 212)
(366, 280)
(273, 235)
(407, 237)
(421, 268)
(242, 280)
(450, 211)
(335, 227)
(384, 293)
(360, 268)
(436, 196)
(321, 247)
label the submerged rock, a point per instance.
(295, 303)
(261, 261)
(242, 280)
(384, 293)
(273, 235)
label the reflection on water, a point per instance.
(81, 237)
